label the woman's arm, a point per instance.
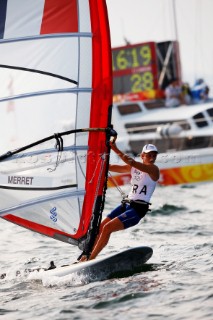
(151, 169)
(119, 168)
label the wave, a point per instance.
(167, 209)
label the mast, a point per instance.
(174, 11)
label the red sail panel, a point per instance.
(59, 17)
(36, 227)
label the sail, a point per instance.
(55, 111)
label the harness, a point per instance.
(140, 206)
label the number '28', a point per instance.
(142, 81)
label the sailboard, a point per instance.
(55, 111)
(117, 265)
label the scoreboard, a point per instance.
(136, 68)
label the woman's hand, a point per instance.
(113, 145)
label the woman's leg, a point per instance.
(105, 221)
(116, 212)
(104, 235)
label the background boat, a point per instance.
(183, 135)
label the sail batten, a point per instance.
(56, 110)
(40, 189)
(48, 36)
(44, 151)
(47, 92)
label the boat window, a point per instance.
(137, 127)
(172, 144)
(210, 113)
(125, 109)
(200, 120)
(197, 142)
(154, 104)
(163, 145)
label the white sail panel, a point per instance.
(37, 187)
(25, 19)
(84, 16)
(41, 67)
(54, 214)
(85, 57)
(35, 117)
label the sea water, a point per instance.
(178, 282)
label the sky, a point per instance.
(154, 20)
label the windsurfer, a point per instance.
(133, 208)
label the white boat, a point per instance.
(183, 136)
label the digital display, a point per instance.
(134, 68)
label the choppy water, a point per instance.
(178, 283)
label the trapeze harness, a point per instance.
(142, 189)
